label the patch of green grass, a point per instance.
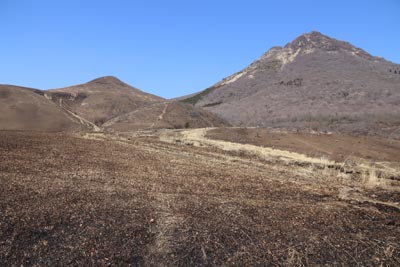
(196, 98)
(213, 104)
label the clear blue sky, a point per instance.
(173, 47)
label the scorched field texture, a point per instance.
(107, 200)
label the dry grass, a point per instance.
(371, 180)
(197, 137)
(362, 171)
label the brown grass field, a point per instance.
(157, 199)
(335, 146)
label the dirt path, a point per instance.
(163, 226)
(161, 116)
(82, 121)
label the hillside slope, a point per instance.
(315, 82)
(167, 114)
(101, 99)
(27, 109)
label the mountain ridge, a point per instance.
(314, 81)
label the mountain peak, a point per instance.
(316, 40)
(310, 42)
(315, 35)
(314, 77)
(108, 80)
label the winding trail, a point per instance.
(82, 121)
(161, 116)
(163, 225)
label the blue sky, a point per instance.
(176, 47)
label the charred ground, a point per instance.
(107, 200)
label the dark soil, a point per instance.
(70, 201)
